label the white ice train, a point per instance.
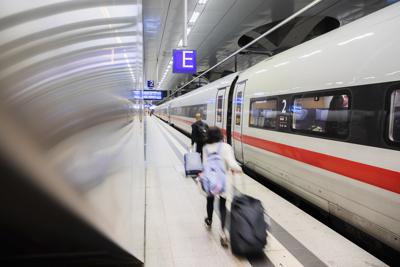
(321, 119)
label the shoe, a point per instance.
(208, 223)
(224, 239)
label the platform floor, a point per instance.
(175, 210)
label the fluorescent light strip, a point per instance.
(194, 17)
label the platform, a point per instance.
(175, 210)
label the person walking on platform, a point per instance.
(217, 155)
(199, 133)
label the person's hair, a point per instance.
(198, 116)
(214, 135)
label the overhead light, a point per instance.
(202, 2)
(194, 17)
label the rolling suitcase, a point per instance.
(193, 165)
(248, 228)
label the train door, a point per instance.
(229, 111)
(237, 123)
(219, 108)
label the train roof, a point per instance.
(362, 52)
(220, 83)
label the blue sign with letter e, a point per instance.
(184, 61)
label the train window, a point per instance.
(263, 113)
(190, 111)
(394, 121)
(238, 108)
(219, 108)
(324, 115)
(203, 111)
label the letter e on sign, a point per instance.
(184, 61)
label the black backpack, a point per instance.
(202, 130)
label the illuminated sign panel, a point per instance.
(148, 95)
(184, 61)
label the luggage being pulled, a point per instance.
(193, 165)
(248, 230)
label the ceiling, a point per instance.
(222, 23)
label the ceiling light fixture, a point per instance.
(194, 17)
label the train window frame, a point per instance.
(266, 98)
(389, 126)
(190, 111)
(238, 113)
(219, 109)
(323, 94)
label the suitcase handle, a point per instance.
(235, 188)
(190, 148)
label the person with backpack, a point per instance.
(218, 160)
(199, 133)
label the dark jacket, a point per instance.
(196, 134)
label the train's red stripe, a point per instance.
(380, 177)
(383, 178)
